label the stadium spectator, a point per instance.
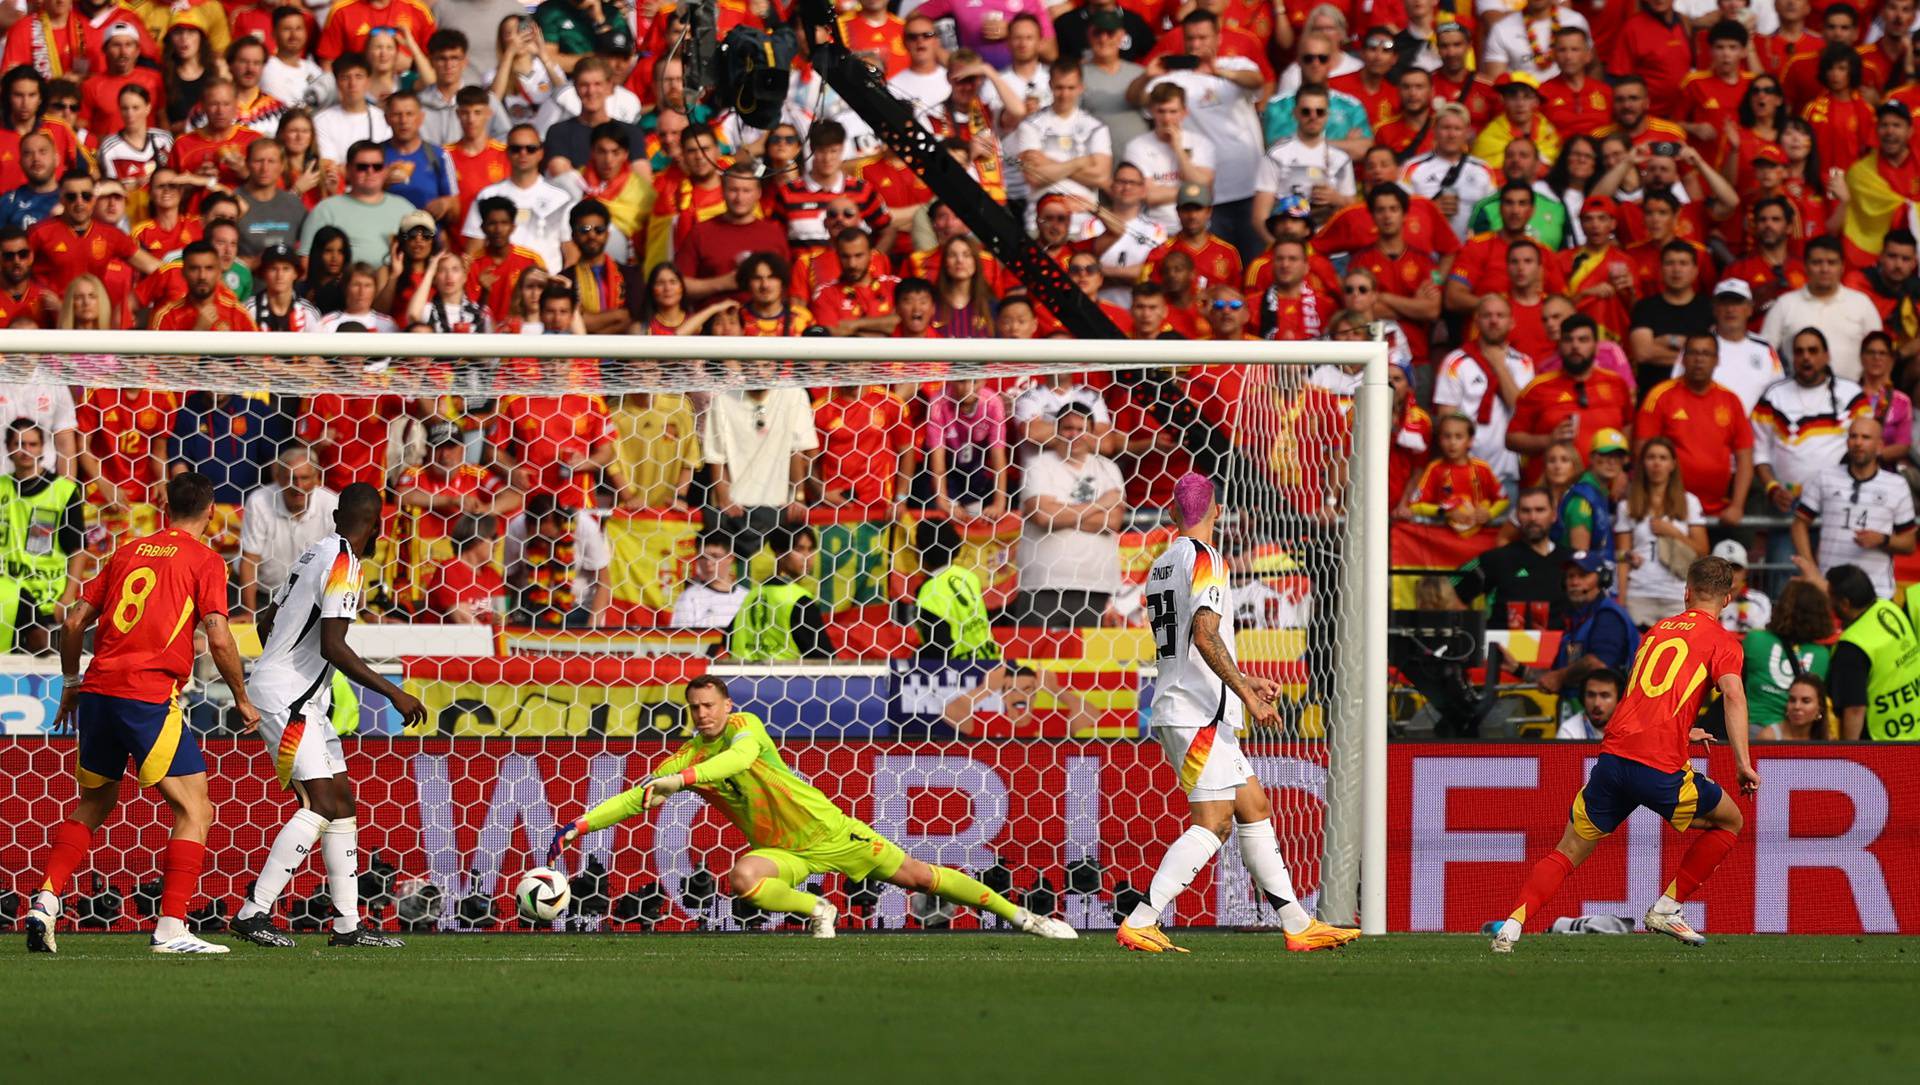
(418, 172)
(858, 302)
(277, 308)
(556, 558)
(1891, 283)
(1890, 405)
(1482, 380)
(467, 589)
(950, 611)
(569, 142)
(352, 118)
(447, 53)
(1663, 530)
(440, 299)
(865, 448)
(1455, 487)
(1662, 322)
(495, 265)
(1004, 705)
(768, 309)
(38, 195)
(1794, 428)
(1062, 148)
(1583, 499)
(357, 304)
(1807, 716)
(1865, 512)
(1747, 366)
(44, 520)
(207, 306)
(923, 82)
(710, 255)
(963, 299)
(966, 443)
(366, 213)
(758, 441)
(445, 488)
(478, 157)
(1116, 41)
(1069, 553)
(1772, 266)
(274, 215)
(1844, 315)
(1522, 580)
(349, 435)
(73, 242)
(1790, 645)
(1600, 693)
(1308, 165)
(800, 204)
(23, 301)
(540, 207)
(601, 284)
(1872, 662)
(1595, 631)
(1750, 608)
(281, 519)
(1220, 92)
(780, 620)
(713, 594)
(1448, 175)
(1709, 429)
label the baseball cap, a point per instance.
(442, 432)
(1107, 19)
(1600, 203)
(416, 220)
(1589, 561)
(1511, 80)
(1734, 288)
(1194, 194)
(1731, 550)
(1767, 151)
(1609, 441)
(278, 254)
(121, 30)
(1450, 25)
(1894, 107)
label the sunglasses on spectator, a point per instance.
(1083, 269)
(77, 197)
(417, 231)
(378, 30)
(921, 35)
(16, 254)
(1359, 288)
(844, 213)
(524, 148)
(368, 167)
(591, 230)
(62, 107)
(1317, 58)
(1229, 305)
(1306, 112)
(783, 139)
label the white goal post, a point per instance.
(295, 364)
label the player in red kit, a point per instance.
(154, 593)
(1643, 759)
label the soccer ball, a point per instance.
(542, 894)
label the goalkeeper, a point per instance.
(795, 831)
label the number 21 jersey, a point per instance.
(1187, 578)
(154, 592)
(1681, 661)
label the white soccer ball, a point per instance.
(542, 894)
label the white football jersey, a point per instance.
(291, 676)
(1187, 578)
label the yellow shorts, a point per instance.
(853, 850)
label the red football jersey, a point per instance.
(153, 593)
(1681, 660)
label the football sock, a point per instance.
(1260, 851)
(1698, 864)
(950, 884)
(775, 895)
(1541, 885)
(290, 849)
(1184, 859)
(182, 876)
(71, 841)
(340, 845)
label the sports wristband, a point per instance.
(69, 679)
(686, 777)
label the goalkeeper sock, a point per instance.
(71, 842)
(181, 877)
(775, 895)
(1698, 864)
(1182, 863)
(340, 845)
(950, 884)
(290, 849)
(1541, 885)
(1260, 851)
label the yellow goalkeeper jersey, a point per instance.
(740, 772)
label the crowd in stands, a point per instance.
(1648, 271)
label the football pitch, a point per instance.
(957, 1008)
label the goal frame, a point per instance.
(1373, 412)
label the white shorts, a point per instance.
(303, 748)
(1208, 761)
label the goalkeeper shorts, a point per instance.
(1207, 759)
(304, 748)
(853, 850)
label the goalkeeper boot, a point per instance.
(1321, 936)
(1147, 939)
(41, 917)
(187, 945)
(260, 931)
(362, 938)
(1673, 925)
(1043, 926)
(821, 923)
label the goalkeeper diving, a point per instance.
(794, 830)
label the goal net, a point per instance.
(578, 526)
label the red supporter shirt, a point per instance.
(1658, 51)
(66, 149)
(1401, 275)
(122, 426)
(183, 316)
(542, 433)
(466, 480)
(349, 26)
(457, 584)
(1554, 397)
(800, 207)
(1843, 129)
(860, 439)
(196, 148)
(1768, 280)
(1482, 266)
(888, 41)
(1709, 99)
(162, 243)
(1529, 335)
(60, 255)
(716, 247)
(1477, 94)
(1214, 261)
(100, 99)
(1576, 112)
(1404, 138)
(1320, 273)
(475, 171)
(490, 279)
(1382, 105)
(352, 434)
(1706, 430)
(1449, 485)
(34, 303)
(838, 301)
(1681, 660)
(153, 595)
(816, 270)
(1296, 318)
(1582, 269)
(1352, 228)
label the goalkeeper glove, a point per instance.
(670, 783)
(564, 835)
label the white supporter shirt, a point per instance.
(1576, 727)
(1155, 158)
(757, 440)
(1747, 368)
(1344, 63)
(1076, 135)
(925, 93)
(375, 321)
(1222, 111)
(290, 677)
(277, 537)
(1650, 579)
(1881, 502)
(1045, 401)
(1292, 167)
(541, 221)
(1427, 176)
(49, 406)
(1750, 611)
(1069, 559)
(1845, 317)
(1801, 431)
(336, 131)
(1460, 383)
(700, 607)
(305, 85)
(1517, 41)
(1187, 578)
(1137, 242)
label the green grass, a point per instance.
(967, 1007)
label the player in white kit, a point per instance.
(305, 631)
(1199, 701)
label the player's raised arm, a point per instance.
(1733, 698)
(1212, 648)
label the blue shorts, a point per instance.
(155, 736)
(1619, 785)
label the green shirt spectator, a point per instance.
(1346, 118)
(1548, 225)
